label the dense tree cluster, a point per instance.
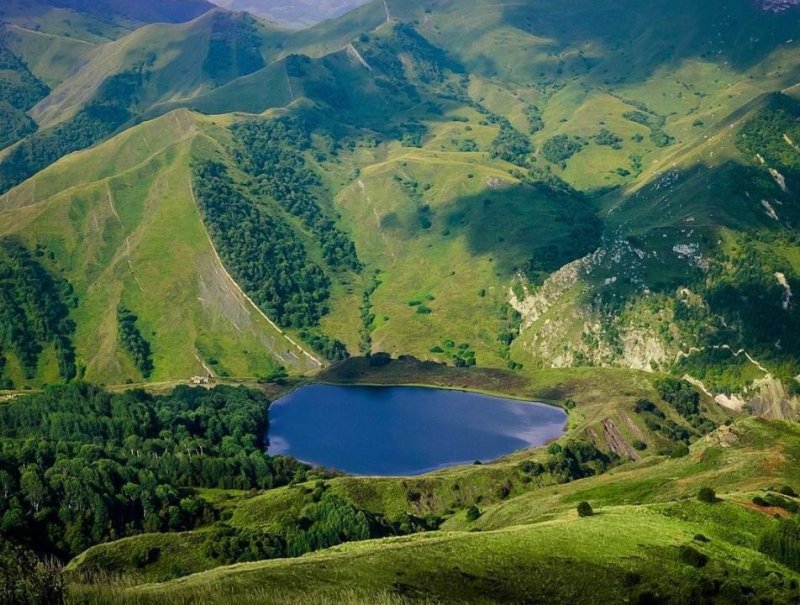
(326, 521)
(328, 347)
(105, 113)
(510, 144)
(262, 252)
(679, 394)
(431, 63)
(329, 522)
(560, 148)
(570, 461)
(34, 311)
(131, 339)
(79, 466)
(764, 134)
(367, 316)
(608, 139)
(228, 545)
(535, 119)
(272, 152)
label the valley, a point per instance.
(585, 204)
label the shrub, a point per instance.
(782, 502)
(701, 538)
(679, 451)
(788, 491)
(473, 513)
(25, 580)
(145, 555)
(585, 509)
(759, 501)
(692, 556)
(639, 445)
(706, 494)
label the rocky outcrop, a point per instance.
(772, 401)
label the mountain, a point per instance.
(297, 13)
(100, 226)
(589, 204)
(615, 157)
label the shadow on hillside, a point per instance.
(531, 228)
(634, 42)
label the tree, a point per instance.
(585, 509)
(33, 487)
(707, 495)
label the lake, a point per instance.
(404, 430)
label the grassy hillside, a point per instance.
(658, 538)
(530, 186)
(54, 38)
(129, 233)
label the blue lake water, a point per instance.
(404, 430)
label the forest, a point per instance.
(80, 466)
(261, 251)
(272, 152)
(34, 312)
(764, 134)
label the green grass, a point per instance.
(506, 495)
(556, 560)
(128, 231)
(532, 540)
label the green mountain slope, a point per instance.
(128, 233)
(544, 184)
(569, 201)
(54, 37)
(658, 540)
